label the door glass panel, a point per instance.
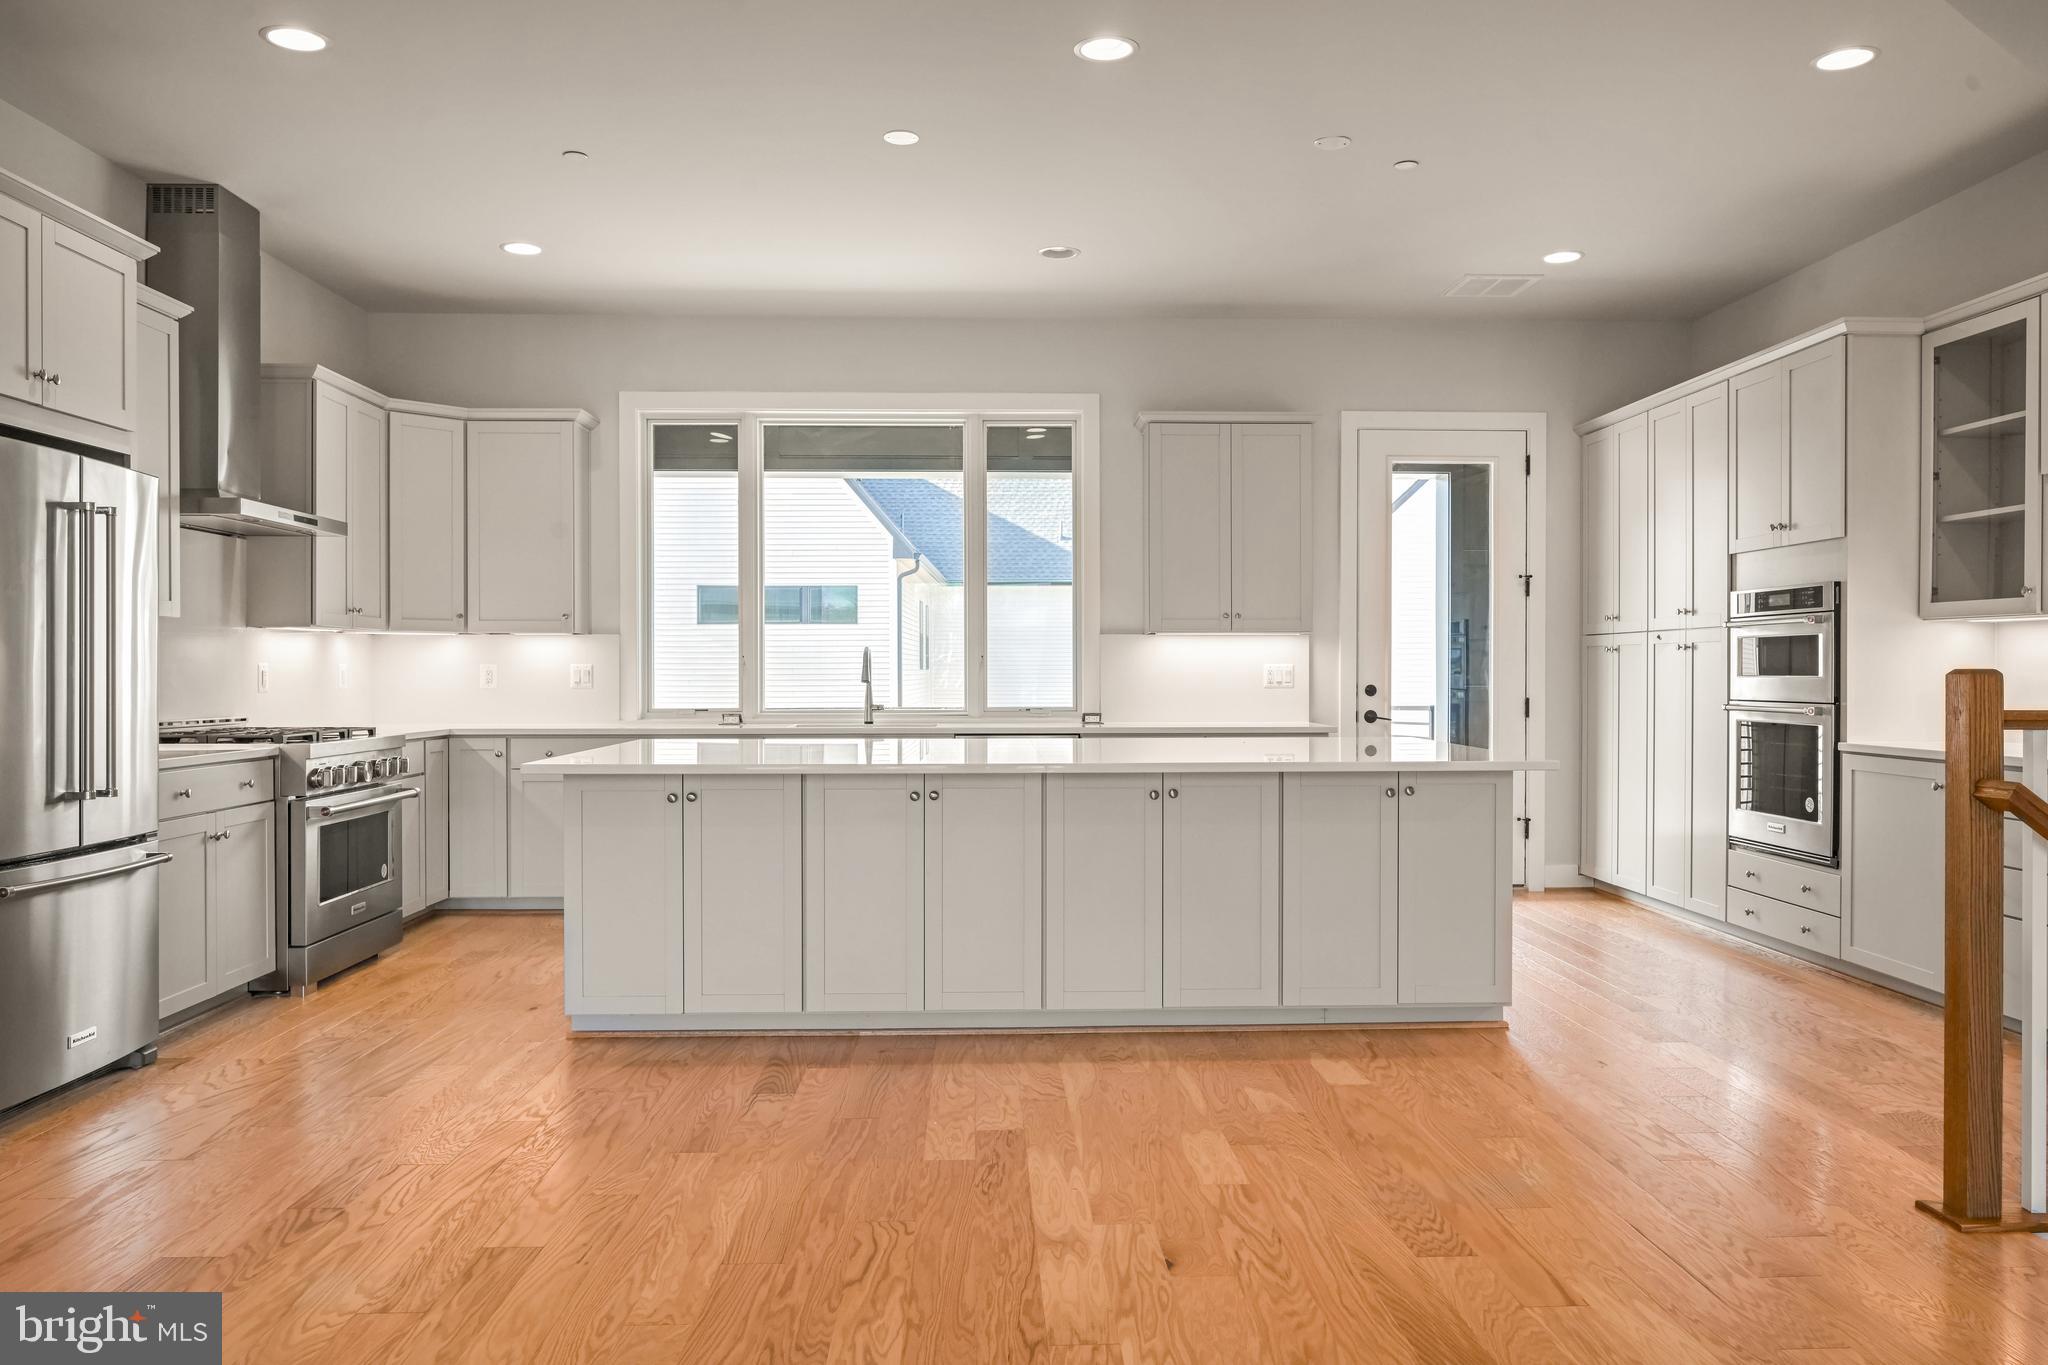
(1440, 655)
(1778, 656)
(355, 854)
(1778, 769)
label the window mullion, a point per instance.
(974, 539)
(751, 594)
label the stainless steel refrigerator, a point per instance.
(78, 850)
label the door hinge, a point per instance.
(1528, 464)
(1525, 821)
(1525, 709)
(1528, 579)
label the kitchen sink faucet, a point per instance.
(867, 686)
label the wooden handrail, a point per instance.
(2026, 720)
(2020, 802)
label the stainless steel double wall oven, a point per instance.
(1784, 715)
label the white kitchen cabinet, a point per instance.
(1616, 527)
(1229, 526)
(1689, 511)
(216, 904)
(1788, 452)
(1221, 889)
(1339, 888)
(984, 902)
(622, 924)
(477, 793)
(428, 521)
(1980, 466)
(435, 804)
(412, 850)
(368, 512)
(525, 515)
(88, 328)
(184, 919)
(156, 430)
(533, 816)
(1104, 840)
(743, 902)
(1455, 891)
(1892, 819)
(863, 892)
(326, 442)
(1688, 765)
(21, 301)
(1614, 829)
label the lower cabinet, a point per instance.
(1221, 890)
(1455, 888)
(1893, 812)
(1688, 770)
(742, 895)
(1340, 859)
(1104, 873)
(412, 851)
(983, 892)
(476, 817)
(864, 892)
(533, 816)
(216, 906)
(1614, 826)
(622, 940)
(435, 800)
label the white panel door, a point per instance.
(1222, 889)
(1600, 530)
(1598, 780)
(1706, 418)
(428, 474)
(533, 810)
(1456, 889)
(1671, 787)
(984, 902)
(1709, 822)
(330, 499)
(477, 798)
(522, 506)
(242, 877)
(88, 341)
(743, 905)
(864, 892)
(1632, 762)
(1756, 458)
(21, 301)
(184, 919)
(1892, 813)
(622, 923)
(156, 440)
(1817, 442)
(1187, 526)
(368, 506)
(1339, 863)
(1272, 528)
(1671, 495)
(1632, 524)
(1104, 838)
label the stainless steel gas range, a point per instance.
(338, 846)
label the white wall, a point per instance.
(37, 152)
(305, 322)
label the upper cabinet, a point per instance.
(325, 438)
(1229, 529)
(1688, 441)
(156, 430)
(428, 521)
(1980, 502)
(1788, 456)
(1616, 539)
(525, 525)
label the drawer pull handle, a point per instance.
(1806, 891)
(182, 793)
(247, 784)
(1751, 874)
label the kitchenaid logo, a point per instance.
(170, 1329)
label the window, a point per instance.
(717, 606)
(1031, 566)
(694, 654)
(811, 606)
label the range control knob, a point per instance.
(359, 771)
(316, 777)
(404, 765)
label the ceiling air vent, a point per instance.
(181, 198)
(1490, 286)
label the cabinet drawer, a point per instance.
(217, 786)
(1803, 928)
(1816, 888)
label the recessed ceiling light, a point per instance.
(520, 249)
(1563, 257)
(574, 155)
(1107, 48)
(1333, 142)
(1846, 58)
(292, 38)
(1059, 253)
(1408, 165)
(900, 137)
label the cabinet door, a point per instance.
(984, 906)
(1671, 738)
(1709, 819)
(1599, 527)
(412, 850)
(1456, 874)
(1893, 811)
(533, 834)
(1187, 527)
(1339, 889)
(242, 879)
(184, 927)
(1221, 890)
(524, 503)
(1103, 853)
(435, 803)
(330, 475)
(476, 817)
(1632, 531)
(1598, 780)
(1631, 762)
(368, 506)
(1756, 458)
(88, 340)
(427, 522)
(21, 301)
(1272, 528)
(1817, 442)
(743, 905)
(156, 440)
(622, 911)
(864, 893)
(1706, 420)
(1671, 495)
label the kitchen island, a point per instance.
(1029, 882)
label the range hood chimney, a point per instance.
(211, 243)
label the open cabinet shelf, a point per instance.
(1981, 475)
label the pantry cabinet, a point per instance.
(216, 904)
(1104, 856)
(525, 515)
(1229, 526)
(156, 430)
(1688, 452)
(1688, 770)
(1614, 829)
(742, 905)
(327, 455)
(1616, 527)
(1788, 453)
(428, 520)
(864, 892)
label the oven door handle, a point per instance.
(402, 794)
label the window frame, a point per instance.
(751, 413)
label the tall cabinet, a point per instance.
(1614, 796)
(156, 429)
(1788, 458)
(1229, 525)
(1688, 544)
(1615, 528)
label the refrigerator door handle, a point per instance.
(88, 661)
(153, 860)
(110, 751)
(65, 579)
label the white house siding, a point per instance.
(696, 540)
(942, 682)
(1030, 645)
(819, 532)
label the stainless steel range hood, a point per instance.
(212, 242)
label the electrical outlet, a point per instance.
(582, 675)
(487, 675)
(1279, 675)
(263, 677)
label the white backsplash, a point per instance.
(425, 680)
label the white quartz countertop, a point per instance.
(883, 727)
(169, 756)
(998, 754)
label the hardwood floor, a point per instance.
(1681, 1150)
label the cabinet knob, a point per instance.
(1226, 616)
(1173, 793)
(1806, 891)
(1370, 717)
(1806, 928)
(1390, 791)
(565, 616)
(248, 784)
(671, 798)
(547, 753)
(224, 834)
(497, 753)
(1750, 874)
(56, 379)
(458, 616)
(1749, 912)
(687, 796)
(933, 795)
(1237, 616)
(38, 374)
(917, 796)
(1407, 791)
(182, 793)
(1154, 794)
(1932, 786)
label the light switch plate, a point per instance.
(263, 677)
(583, 675)
(487, 675)
(1279, 675)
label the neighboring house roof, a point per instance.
(1029, 533)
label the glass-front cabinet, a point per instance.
(1980, 506)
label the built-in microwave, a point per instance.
(1782, 645)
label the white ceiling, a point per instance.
(737, 164)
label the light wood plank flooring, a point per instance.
(1682, 1150)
